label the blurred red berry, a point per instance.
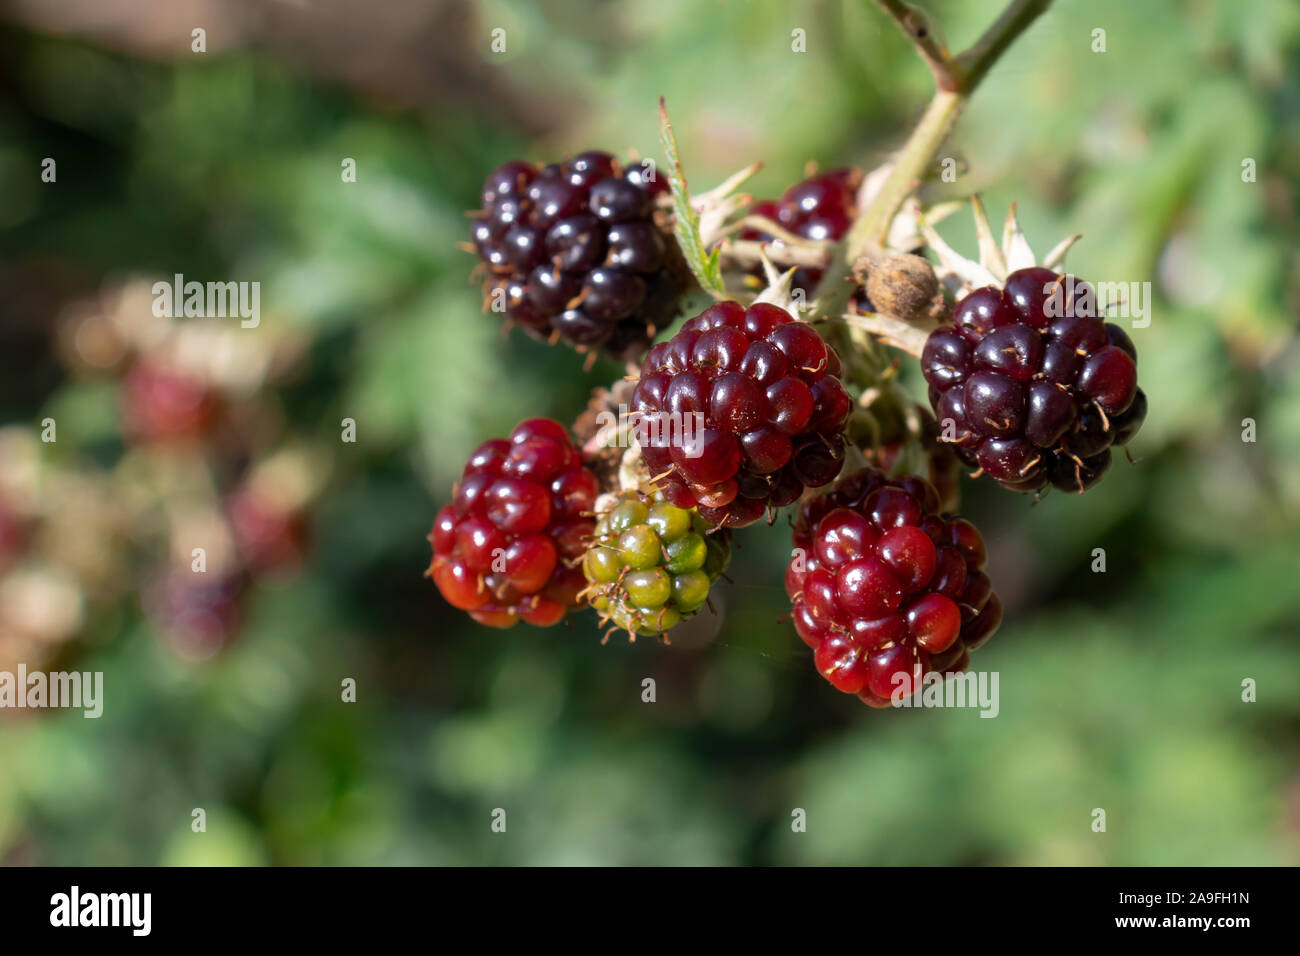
(159, 404)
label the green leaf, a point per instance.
(707, 266)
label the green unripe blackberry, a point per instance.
(650, 564)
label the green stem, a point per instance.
(956, 78)
(914, 160)
(872, 225)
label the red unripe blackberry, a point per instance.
(741, 410)
(159, 404)
(270, 536)
(507, 548)
(1036, 386)
(883, 585)
(821, 207)
(573, 249)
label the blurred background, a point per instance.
(1119, 690)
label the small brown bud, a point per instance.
(903, 286)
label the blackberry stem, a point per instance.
(956, 78)
(914, 23)
(963, 75)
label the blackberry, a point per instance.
(574, 251)
(651, 564)
(884, 585)
(506, 549)
(821, 207)
(741, 410)
(1036, 385)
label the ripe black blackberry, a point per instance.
(573, 251)
(1036, 386)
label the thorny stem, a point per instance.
(913, 22)
(956, 79)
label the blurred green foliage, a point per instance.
(1120, 690)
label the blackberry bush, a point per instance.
(746, 409)
(507, 548)
(651, 564)
(575, 251)
(885, 588)
(766, 390)
(1037, 387)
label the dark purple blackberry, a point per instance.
(572, 250)
(821, 207)
(1036, 385)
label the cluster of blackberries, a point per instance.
(1031, 385)
(741, 412)
(573, 250)
(885, 588)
